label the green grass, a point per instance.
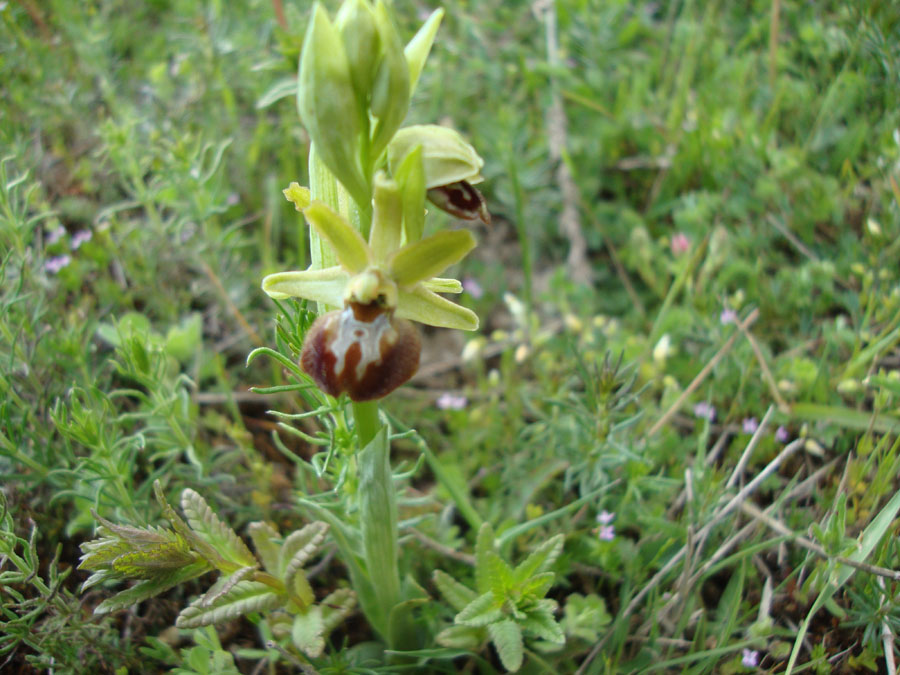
(159, 129)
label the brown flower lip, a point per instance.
(361, 350)
(462, 200)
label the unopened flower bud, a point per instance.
(361, 350)
(446, 157)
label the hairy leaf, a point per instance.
(264, 537)
(507, 638)
(150, 587)
(537, 586)
(540, 559)
(217, 534)
(300, 546)
(244, 597)
(484, 544)
(454, 592)
(541, 623)
(498, 573)
(224, 585)
(336, 607)
(307, 632)
(480, 612)
(462, 637)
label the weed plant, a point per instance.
(686, 463)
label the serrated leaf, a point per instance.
(484, 544)
(244, 597)
(336, 607)
(149, 563)
(537, 586)
(299, 586)
(507, 639)
(480, 612)
(205, 523)
(264, 537)
(150, 587)
(457, 594)
(300, 546)
(307, 632)
(542, 624)
(540, 559)
(498, 573)
(224, 585)
(462, 637)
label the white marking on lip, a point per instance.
(366, 334)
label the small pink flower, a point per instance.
(727, 316)
(448, 401)
(680, 243)
(605, 517)
(472, 287)
(782, 435)
(54, 265)
(55, 235)
(80, 238)
(750, 658)
(750, 425)
(606, 532)
(705, 411)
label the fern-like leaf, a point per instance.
(457, 594)
(242, 598)
(203, 520)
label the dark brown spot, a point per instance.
(461, 200)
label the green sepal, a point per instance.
(350, 248)
(422, 305)
(439, 285)
(328, 105)
(410, 176)
(325, 286)
(417, 49)
(507, 638)
(390, 91)
(427, 257)
(387, 222)
(446, 157)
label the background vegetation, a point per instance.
(710, 392)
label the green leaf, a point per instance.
(417, 50)
(424, 306)
(213, 531)
(281, 89)
(264, 536)
(350, 248)
(462, 637)
(454, 592)
(537, 586)
(336, 607)
(428, 257)
(481, 611)
(540, 559)
(498, 573)
(378, 524)
(507, 638)
(540, 622)
(484, 544)
(224, 585)
(308, 631)
(300, 546)
(243, 598)
(150, 587)
(390, 91)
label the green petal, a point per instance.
(439, 285)
(426, 307)
(428, 257)
(326, 286)
(350, 248)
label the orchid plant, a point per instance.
(373, 275)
